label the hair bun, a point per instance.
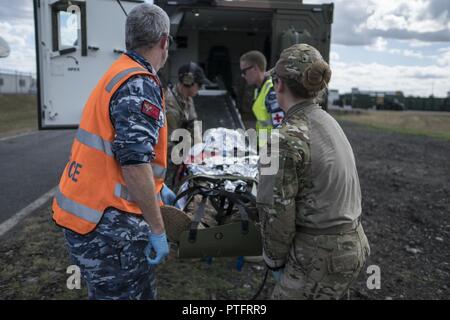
(317, 76)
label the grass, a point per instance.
(34, 260)
(18, 113)
(431, 124)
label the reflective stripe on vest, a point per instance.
(122, 192)
(98, 143)
(94, 141)
(120, 76)
(158, 171)
(265, 123)
(78, 209)
(87, 213)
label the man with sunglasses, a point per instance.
(265, 106)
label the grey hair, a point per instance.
(145, 25)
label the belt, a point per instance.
(334, 230)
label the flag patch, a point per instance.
(150, 110)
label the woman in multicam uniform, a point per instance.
(310, 208)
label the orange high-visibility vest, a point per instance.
(92, 180)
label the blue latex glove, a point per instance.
(157, 242)
(167, 195)
(277, 275)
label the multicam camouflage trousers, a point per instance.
(112, 260)
(322, 266)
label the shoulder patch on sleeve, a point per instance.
(277, 118)
(151, 110)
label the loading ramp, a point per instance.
(215, 108)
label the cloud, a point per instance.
(20, 38)
(418, 80)
(424, 75)
(412, 54)
(17, 28)
(347, 19)
(417, 43)
(17, 11)
(17, 34)
(401, 34)
(439, 8)
(334, 56)
(410, 15)
(361, 23)
(443, 60)
(380, 45)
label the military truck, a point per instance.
(216, 33)
(77, 40)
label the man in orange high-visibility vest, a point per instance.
(108, 200)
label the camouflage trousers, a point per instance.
(112, 260)
(322, 266)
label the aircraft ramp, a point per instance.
(215, 108)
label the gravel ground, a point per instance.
(405, 182)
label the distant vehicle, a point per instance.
(76, 41)
(4, 48)
(373, 100)
(389, 103)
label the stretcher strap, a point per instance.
(237, 200)
(197, 219)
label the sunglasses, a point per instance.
(244, 71)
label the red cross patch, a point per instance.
(277, 117)
(150, 110)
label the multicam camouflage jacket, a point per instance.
(277, 192)
(180, 113)
(316, 184)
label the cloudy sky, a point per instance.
(383, 45)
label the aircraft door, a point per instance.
(76, 41)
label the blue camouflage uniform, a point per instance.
(111, 257)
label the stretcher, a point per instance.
(220, 173)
